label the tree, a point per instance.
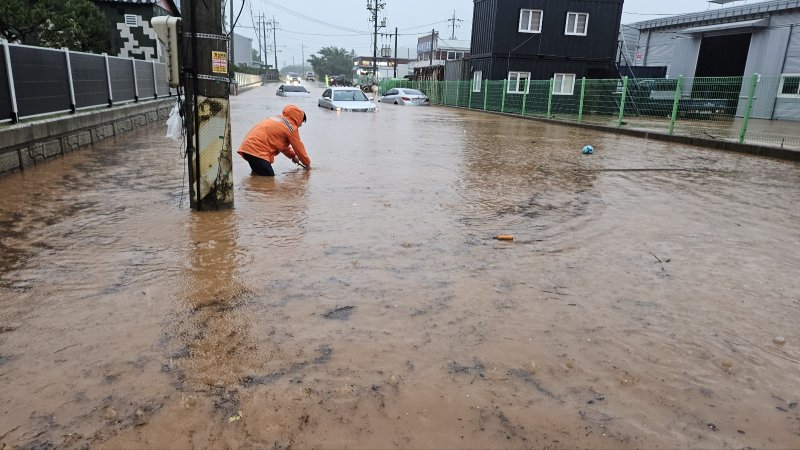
(254, 55)
(332, 61)
(75, 24)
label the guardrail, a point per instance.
(753, 109)
(245, 80)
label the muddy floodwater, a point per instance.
(650, 297)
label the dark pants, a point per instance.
(259, 166)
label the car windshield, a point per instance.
(294, 89)
(349, 96)
(412, 92)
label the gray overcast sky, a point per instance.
(345, 23)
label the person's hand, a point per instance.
(295, 160)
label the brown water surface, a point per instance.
(650, 297)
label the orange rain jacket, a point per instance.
(279, 134)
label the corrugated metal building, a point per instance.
(762, 38)
(539, 39)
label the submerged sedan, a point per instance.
(346, 99)
(404, 96)
(288, 90)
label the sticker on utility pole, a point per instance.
(219, 62)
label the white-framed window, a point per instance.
(577, 24)
(790, 86)
(454, 55)
(563, 83)
(530, 20)
(477, 78)
(131, 20)
(518, 82)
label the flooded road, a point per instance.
(650, 297)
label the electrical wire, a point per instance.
(309, 18)
(233, 27)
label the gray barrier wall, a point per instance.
(89, 80)
(36, 81)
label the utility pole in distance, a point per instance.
(207, 112)
(375, 9)
(395, 52)
(454, 20)
(274, 40)
(433, 41)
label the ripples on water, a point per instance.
(396, 219)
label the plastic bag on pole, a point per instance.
(175, 123)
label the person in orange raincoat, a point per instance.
(279, 134)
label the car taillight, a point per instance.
(406, 99)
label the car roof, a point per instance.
(344, 88)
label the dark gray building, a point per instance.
(757, 38)
(543, 39)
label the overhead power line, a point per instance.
(309, 18)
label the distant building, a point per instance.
(362, 67)
(243, 51)
(131, 35)
(737, 41)
(434, 51)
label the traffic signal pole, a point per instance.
(207, 107)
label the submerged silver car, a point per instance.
(405, 96)
(288, 90)
(346, 99)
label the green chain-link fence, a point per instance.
(751, 109)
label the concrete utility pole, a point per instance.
(433, 41)
(454, 20)
(264, 30)
(275, 41)
(395, 52)
(206, 107)
(303, 57)
(375, 9)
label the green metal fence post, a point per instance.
(580, 107)
(622, 101)
(458, 93)
(485, 94)
(471, 88)
(525, 96)
(751, 94)
(550, 99)
(503, 103)
(446, 91)
(678, 94)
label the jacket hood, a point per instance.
(294, 114)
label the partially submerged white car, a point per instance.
(288, 90)
(346, 99)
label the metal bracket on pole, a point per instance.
(219, 37)
(11, 89)
(69, 78)
(213, 78)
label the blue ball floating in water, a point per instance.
(587, 150)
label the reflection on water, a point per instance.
(646, 284)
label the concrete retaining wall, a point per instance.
(25, 145)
